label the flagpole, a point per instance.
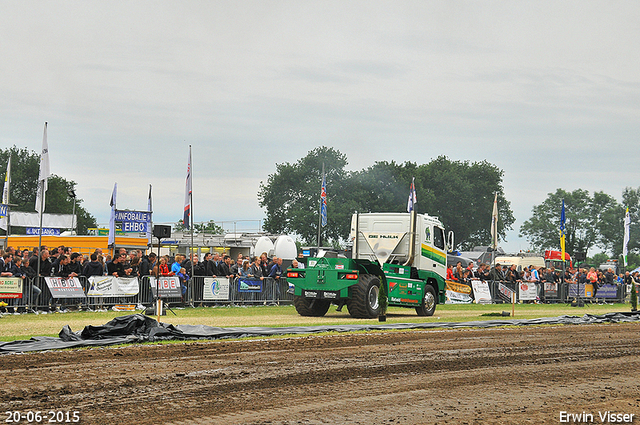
(320, 215)
(44, 172)
(191, 216)
(8, 219)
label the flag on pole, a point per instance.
(7, 179)
(44, 173)
(150, 209)
(413, 199)
(562, 230)
(625, 249)
(112, 220)
(4, 211)
(494, 223)
(323, 201)
(187, 195)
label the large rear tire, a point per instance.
(363, 303)
(429, 302)
(311, 307)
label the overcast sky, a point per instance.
(548, 91)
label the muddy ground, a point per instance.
(475, 376)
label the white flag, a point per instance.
(625, 250)
(494, 223)
(187, 195)
(150, 209)
(44, 173)
(112, 220)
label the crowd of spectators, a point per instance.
(504, 273)
(62, 262)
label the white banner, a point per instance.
(527, 291)
(65, 287)
(56, 221)
(481, 292)
(216, 289)
(111, 286)
(169, 286)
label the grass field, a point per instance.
(24, 326)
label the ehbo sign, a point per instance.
(134, 221)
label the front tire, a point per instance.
(311, 307)
(429, 302)
(363, 303)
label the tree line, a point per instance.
(460, 193)
(25, 169)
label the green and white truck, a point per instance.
(406, 252)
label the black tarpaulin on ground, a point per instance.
(140, 328)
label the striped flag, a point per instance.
(413, 199)
(112, 219)
(562, 230)
(625, 249)
(323, 201)
(187, 195)
(150, 209)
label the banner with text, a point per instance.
(457, 293)
(169, 286)
(481, 292)
(216, 289)
(134, 221)
(249, 285)
(111, 286)
(10, 287)
(65, 287)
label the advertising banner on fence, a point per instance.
(65, 287)
(10, 287)
(481, 292)
(111, 286)
(216, 289)
(169, 286)
(527, 291)
(586, 290)
(249, 285)
(505, 292)
(551, 289)
(457, 293)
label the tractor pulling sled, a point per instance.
(405, 252)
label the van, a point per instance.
(520, 261)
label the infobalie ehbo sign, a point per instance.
(133, 221)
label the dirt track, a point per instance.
(496, 376)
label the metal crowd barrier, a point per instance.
(562, 292)
(272, 291)
(275, 291)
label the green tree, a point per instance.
(25, 168)
(291, 197)
(459, 193)
(203, 227)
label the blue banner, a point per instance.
(134, 221)
(3, 210)
(249, 285)
(46, 231)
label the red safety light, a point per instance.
(352, 276)
(293, 274)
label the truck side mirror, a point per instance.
(450, 244)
